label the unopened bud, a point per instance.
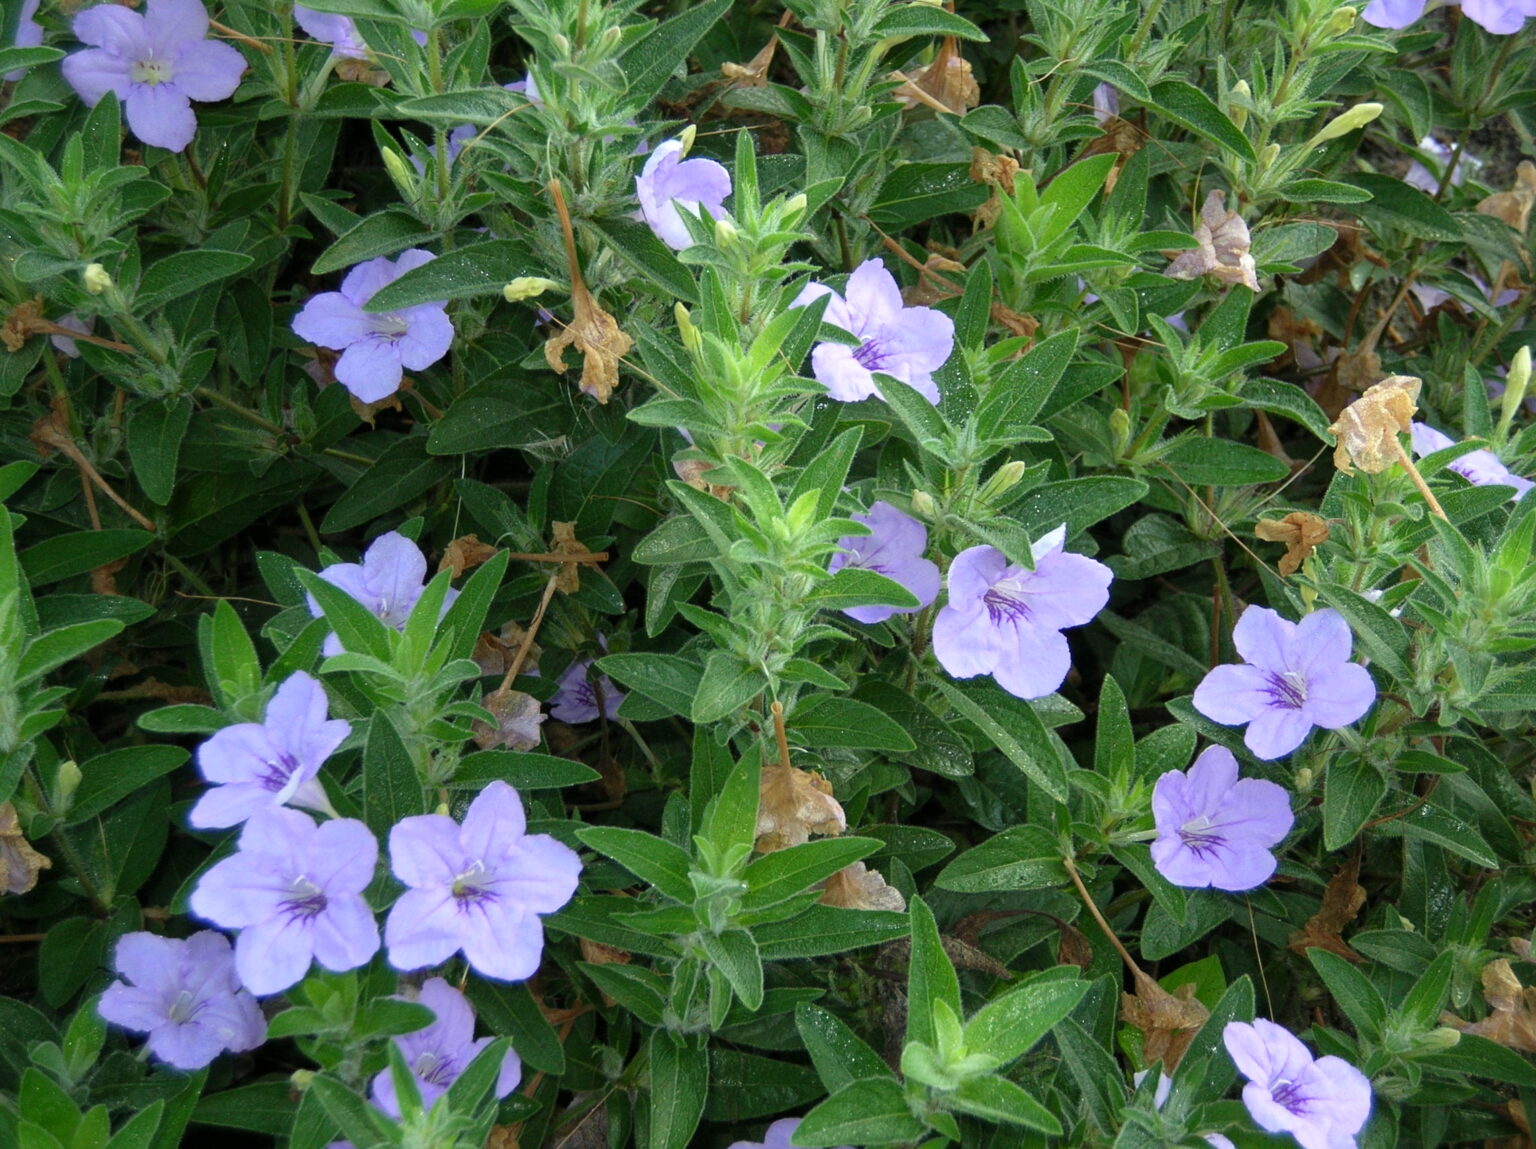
(1438, 1040)
(561, 44)
(924, 507)
(795, 204)
(1241, 96)
(1304, 779)
(1516, 384)
(301, 1079)
(1269, 155)
(1346, 122)
(1002, 480)
(687, 137)
(1342, 21)
(527, 287)
(442, 810)
(96, 279)
(401, 173)
(725, 233)
(685, 327)
(66, 780)
(609, 40)
(1120, 431)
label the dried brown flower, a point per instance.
(1514, 206)
(1168, 1021)
(518, 718)
(793, 805)
(1341, 902)
(465, 552)
(856, 887)
(946, 85)
(1368, 428)
(19, 862)
(1300, 532)
(1513, 1020)
(1223, 249)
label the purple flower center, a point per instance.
(1196, 834)
(1290, 1096)
(472, 887)
(152, 72)
(305, 902)
(1006, 601)
(869, 354)
(436, 1068)
(186, 1007)
(1288, 690)
(390, 327)
(279, 772)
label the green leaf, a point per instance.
(679, 1085)
(668, 679)
(1353, 790)
(404, 471)
(233, 669)
(382, 233)
(855, 586)
(109, 778)
(1014, 728)
(358, 1121)
(1009, 1026)
(68, 957)
(1021, 391)
(1020, 858)
(826, 721)
(1479, 1057)
(185, 271)
(744, 1086)
(520, 770)
(480, 269)
(360, 630)
(1395, 204)
(1421, 1007)
(637, 245)
(916, 192)
(465, 618)
(868, 1112)
(1435, 826)
(1200, 461)
(1352, 991)
(1099, 1079)
(155, 431)
(513, 408)
(1306, 191)
(265, 1107)
(735, 954)
(823, 930)
(1381, 636)
(649, 62)
(652, 859)
(931, 977)
(777, 876)
(1080, 503)
(907, 20)
(998, 1099)
(52, 650)
(1191, 108)
(728, 685)
(66, 555)
(510, 1011)
(391, 788)
(840, 1056)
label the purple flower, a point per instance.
(478, 887)
(668, 184)
(269, 763)
(376, 347)
(294, 891)
(1214, 830)
(894, 547)
(576, 700)
(1481, 468)
(1321, 1103)
(1293, 677)
(29, 34)
(1500, 17)
(1006, 621)
(185, 996)
(1392, 13)
(440, 1052)
(337, 31)
(388, 582)
(777, 1137)
(63, 342)
(156, 63)
(906, 343)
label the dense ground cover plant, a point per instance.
(836, 574)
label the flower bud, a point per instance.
(1438, 1040)
(685, 327)
(400, 173)
(1342, 21)
(1120, 431)
(96, 279)
(608, 41)
(687, 137)
(527, 287)
(1304, 779)
(1516, 384)
(1238, 102)
(1269, 155)
(300, 1079)
(1001, 481)
(795, 204)
(66, 780)
(725, 233)
(1346, 122)
(924, 507)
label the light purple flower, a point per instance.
(1294, 676)
(777, 1136)
(376, 347)
(388, 582)
(479, 887)
(906, 343)
(29, 34)
(258, 765)
(576, 700)
(1106, 103)
(437, 1054)
(894, 547)
(1006, 621)
(669, 184)
(63, 342)
(1500, 17)
(1214, 829)
(1481, 468)
(1321, 1103)
(1392, 13)
(184, 995)
(337, 31)
(156, 62)
(294, 891)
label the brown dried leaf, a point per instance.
(792, 806)
(518, 718)
(465, 552)
(103, 578)
(568, 581)
(1341, 902)
(1514, 206)
(1168, 1021)
(1368, 428)
(754, 73)
(946, 85)
(598, 337)
(1224, 247)
(856, 887)
(494, 652)
(19, 862)
(361, 72)
(1300, 532)
(369, 412)
(1073, 948)
(1000, 170)
(1018, 324)
(1513, 1020)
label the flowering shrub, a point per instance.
(725, 576)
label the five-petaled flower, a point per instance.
(437, 1054)
(388, 582)
(906, 343)
(376, 346)
(184, 995)
(1500, 17)
(894, 547)
(1214, 829)
(295, 892)
(580, 699)
(479, 887)
(1006, 621)
(1322, 1103)
(668, 184)
(1481, 468)
(156, 62)
(1294, 676)
(273, 762)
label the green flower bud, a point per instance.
(1346, 122)
(527, 287)
(96, 279)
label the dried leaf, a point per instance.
(1168, 1021)
(1514, 206)
(1341, 902)
(494, 652)
(946, 85)
(361, 72)
(1223, 249)
(793, 805)
(369, 412)
(518, 718)
(19, 862)
(754, 73)
(597, 335)
(1368, 428)
(1300, 532)
(999, 170)
(1073, 948)
(568, 581)
(1513, 1020)
(856, 887)
(465, 552)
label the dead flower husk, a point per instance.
(19, 862)
(857, 887)
(1368, 428)
(793, 805)
(1300, 532)
(602, 343)
(1223, 250)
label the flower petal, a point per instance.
(1233, 694)
(208, 70)
(188, 1046)
(428, 336)
(139, 1010)
(332, 320)
(370, 369)
(422, 929)
(1276, 731)
(115, 29)
(874, 299)
(1037, 665)
(966, 644)
(172, 23)
(345, 935)
(504, 941)
(146, 960)
(845, 378)
(342, 857)
(1322, 640)
(273, 954)
(93, 72)
(425, 851)
(1264, 639)
(1339, 695)
(160, 115)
